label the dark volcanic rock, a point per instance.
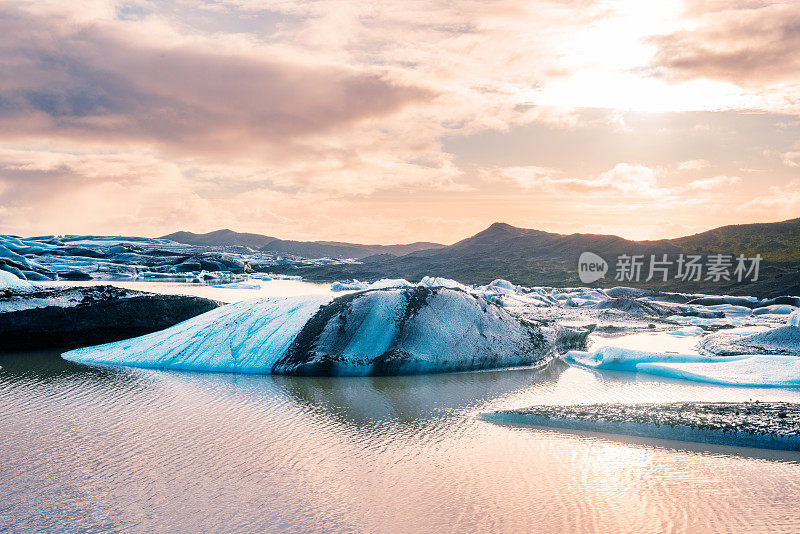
(80, 316)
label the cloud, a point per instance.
(791, 159)
(693, 165)
(623, 178)
(100, 81)
(780, 202)
(287, 116)
(707, 184)
(748, 43)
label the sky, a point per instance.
(393, 122)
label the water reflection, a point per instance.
(137, 449)
(411, 399)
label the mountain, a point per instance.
(333, 249)
(219, 238)
(305, 249)
(779, 241)
(534, 257)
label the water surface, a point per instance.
(148, 450)
(120, 449)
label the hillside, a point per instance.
(535, 257)
(333, 249)
(305, 249)
(220, 238)
(778, 241)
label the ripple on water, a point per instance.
(134, 449)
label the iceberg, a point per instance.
(687, 331)
(438, 281)
(745, 370)
(390, 283)
(355, 285)
(731, 310)
(775, 309)
(375, 332)
(9, 280)
(781, 340)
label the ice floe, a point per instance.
(775, 309)
(8, 280)
(745, 370)
(355, 285)
(794, 319)
(237, 285)
(687, 331)
(781, 340)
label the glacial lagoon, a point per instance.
(115, 448)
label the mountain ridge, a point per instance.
(535, 257)
(307, 249)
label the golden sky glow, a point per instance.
(397, 121)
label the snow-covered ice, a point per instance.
(355, 285)
(389, 283)
(8, 280)
(687, 331)
(775, 309)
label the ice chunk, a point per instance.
(709, 321)
(772, 425)
(412, 331)
(794, 319)
(731, 310)
(775, 309)
(756, 370)
(781, 340)
(8, 281)
(355, 285)
(687, 331)
(438, 281)
(622, 359)
(505, 284)
(390, 283)
(237, 285)
(165, 276)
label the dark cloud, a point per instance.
(747, 43)
(59, 79)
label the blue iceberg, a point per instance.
(745, 370)
(378, 332)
